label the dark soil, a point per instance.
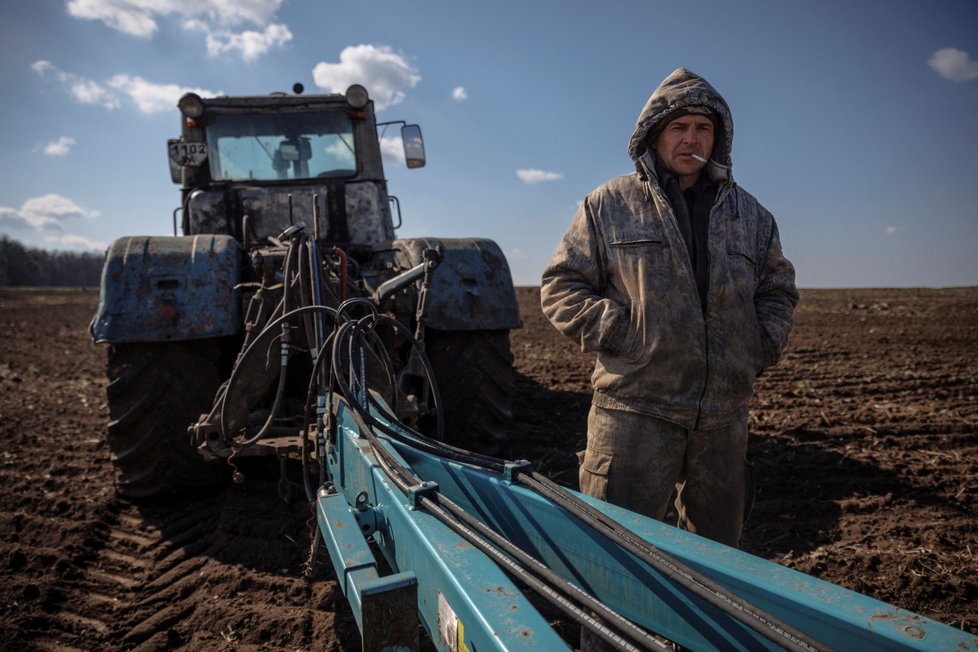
(865, 438)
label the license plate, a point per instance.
(192, 154)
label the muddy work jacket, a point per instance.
(621, 284)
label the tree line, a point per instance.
(27, 266)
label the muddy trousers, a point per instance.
(639, 462)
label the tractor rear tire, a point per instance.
(156, 391)
(474, 372)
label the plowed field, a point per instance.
(865, 439)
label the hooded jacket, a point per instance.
(621, 283)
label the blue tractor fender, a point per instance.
(471, 289)
(169, 288)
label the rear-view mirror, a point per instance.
(413, 146)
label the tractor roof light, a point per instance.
(357, 97)
(191, 106)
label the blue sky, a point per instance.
(856, 122)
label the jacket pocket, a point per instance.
(644, 268)
(742, 256)
(743, 270)
(594, 471)
(631, 244)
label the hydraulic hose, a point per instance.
(279, 390)
(624, 625)
(542, 588)
(236, 371)
(313, 388)
(349, 335)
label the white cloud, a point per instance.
(154, 98)
(85, 91)
(384, 73)
(138, 17)
(249, 44)
(212, 17)
(891, 230)
(149, 97)
(536, 176)
(48, 235)
(132, 17)
(42, 67)
(41, 221)
(956, 65)
(55, 206)
(59, 147)
(459, 94)
(392, 149)
(10, 218)
(44, 213)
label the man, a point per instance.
(674, 275)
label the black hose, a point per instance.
(351, 331)
(514, 569)
(290, 253)
(314, 385)
(403, 432)
(233, 379)
(623, 625)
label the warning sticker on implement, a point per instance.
(450, 627)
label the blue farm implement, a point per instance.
(417, 530)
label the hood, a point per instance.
(683, 88)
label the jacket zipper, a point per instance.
(721, 194)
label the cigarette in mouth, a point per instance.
(699, 158)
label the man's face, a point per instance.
(679, 140)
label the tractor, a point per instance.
(284, 206)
